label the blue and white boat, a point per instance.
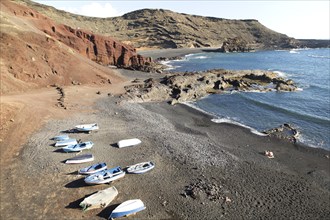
(66, 142)
(127, 208)
(105, 176)
(141, 167)
(87, 127)
(61, 137)
(93, 168)
(78, 147)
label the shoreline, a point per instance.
(171, 53)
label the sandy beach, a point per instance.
(203, 170)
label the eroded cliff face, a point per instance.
(101, 49)
(158, 28)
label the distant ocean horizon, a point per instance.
(308, 109)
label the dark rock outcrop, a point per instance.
(181, 87)
(235, 45)
(285, 131)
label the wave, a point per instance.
(229, 121)
(303, 116)
(293, 51)
(201, 57)
(318, 56)
(168, 65)
(281, 73)
(311, 143)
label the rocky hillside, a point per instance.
(37, 52)
(150, 28)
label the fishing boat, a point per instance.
(61, 137)
(101, 199)
(128, 142)
(78, 147)
(93, 168)
(141, 167)
(105, 176)
(66, 142)
(80, 159)
(127, 208)
(87, 127)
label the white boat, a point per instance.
(101, 199)
(80, 159)
(141, 167)
(66, 142)
(78, 147)
(128, 142)
(61, 137)
(126, 208)
(93, 168)
(105, 176)
(87, 127)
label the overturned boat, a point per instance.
(127, 208)
(129, 142)
(141, 167)
(78, 147)
(105, 176)
(87, 127)
(93, 168)
(80, 159)
(66, 142)
(101, 199)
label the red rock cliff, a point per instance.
(101, 49)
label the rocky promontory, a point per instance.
(190, 86)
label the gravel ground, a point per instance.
(203, 170)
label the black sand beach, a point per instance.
(203, 170)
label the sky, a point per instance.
(308, 19)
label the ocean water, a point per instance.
(308, 109)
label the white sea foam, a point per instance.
(281, 74)
(229, 121)
(168, 65)
(293, 51)
(201, 57)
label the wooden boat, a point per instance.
(128, 142)
(61, 137)
(141, 167)
(126, 208)
(105, 176)
(87, 127)
(80, 159)
(101, 199)
(66, 142)
(93, 168)
(78, 147)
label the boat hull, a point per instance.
(127, 208)
(105, 176)
(100, 199)
(141, 168)
(80, 159)
(66, 142)
(129, 143)
(93, 169)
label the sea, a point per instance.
(307, 109)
